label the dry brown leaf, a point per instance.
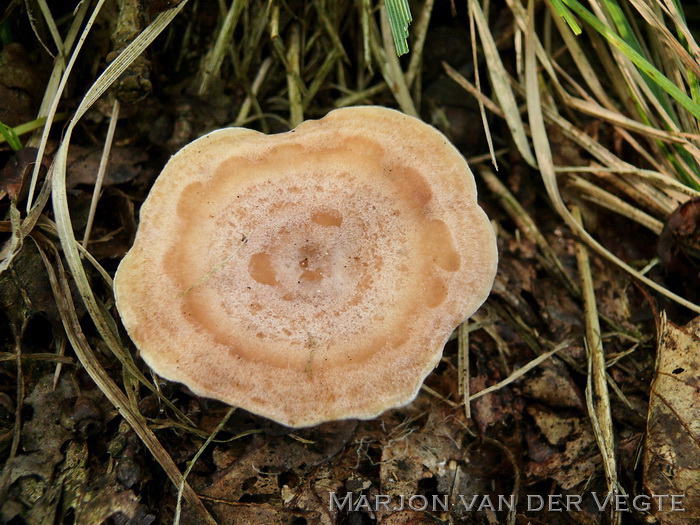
(493, 410)
(551, 383)
(20, 85)
(672, 451)
(419, 454)
(14, 175)
(43, 435)
(579, 459)
(234, 513)
(25, 289)
(125, 164)
(559, 310)
(274, 479)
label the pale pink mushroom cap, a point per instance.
(309, 276)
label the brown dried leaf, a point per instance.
(560, 312)
(408, 517)
(14, 175)
(492, 412)
(106, 504)
(43, 435)
(419, 454)
(579, 459)
(20, 85)
(25, 288)
(552, 384)
(672, 451)
(67, 490)
(613, 294)
(274, 480)
(125, 163)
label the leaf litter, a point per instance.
(672, 452)
(576, 396)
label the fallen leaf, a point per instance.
(274, 480)
(552, 384)
(672, 451)
(44, 434)
(493, 412)
(562, 314)
(15, 173)
(20, 85)
(578, 460)
(416, 454)
(25, 289)
(125, 163)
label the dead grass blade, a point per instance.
(477, 88)
(254, 89)
(50, 24)
(430, 391)
(12, 247)
(89, 361)
(618, 119)
(211, 65)
(667, 38)
(520, 372)
(330, 30)
(463, 383)
(546, 165)
(102, 320)
(56, 97)
(421, 32)
(501, 84)
(104, 160)
(296, 106)
(528, 228)
(662, 202)
(597, 391)
(390, 66)
(329, 63)
(58, 68)
(583, 65)
(612, 202)
(192, 462)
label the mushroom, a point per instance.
(312, 275)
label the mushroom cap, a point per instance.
(312, 275)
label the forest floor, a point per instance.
(589, 344)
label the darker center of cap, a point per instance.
(314, 262)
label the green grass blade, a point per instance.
(399, 17)
(27, 127)
(627, 34)
(543, 153)
(11, 137)
(692, 78)
(563, 12)
(642, 63)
